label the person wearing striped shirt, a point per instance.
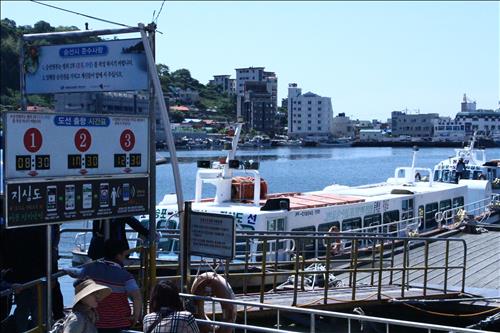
(114, 314)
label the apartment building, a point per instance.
(308, 114)
(417, 125)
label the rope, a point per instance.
(81, 14)
(343, 300)
(451, 314)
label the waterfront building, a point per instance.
(258, 108)
(482, 120)
(255, 74)
(227, 84)
(342, 126)
(419, 125)
(371, 135)
(447, 129)
(184, 96)
(308, 114)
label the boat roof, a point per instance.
(342, 195)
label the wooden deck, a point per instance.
(482, 265)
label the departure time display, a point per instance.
(120, 160)
(75, 161)
(24, 163)
(135, 160)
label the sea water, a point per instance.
(289, 169)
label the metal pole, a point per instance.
(22, 82)
(151, 278)
(166, 122)
(169, 137)
(184, 246)
(49, 277)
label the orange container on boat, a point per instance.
(242, 188)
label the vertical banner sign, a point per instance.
(100, 66)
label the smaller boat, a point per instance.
(477, 167)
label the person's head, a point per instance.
(115, 250)
(165, 295)
(334, 229)
(89, 293)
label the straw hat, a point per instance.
(89, 287)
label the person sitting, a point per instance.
(336, 246)
(83, 315)
(167, 312)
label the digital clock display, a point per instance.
(120, 160)
(41, 162)
(91, 161)
(23, 162)
(74, 161)
(135, 160)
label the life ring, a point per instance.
(212, 284)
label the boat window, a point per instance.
(307, 248)
(389, 217)
(324, 227)
(276, 224)
(458, 202)
(436, 175)
(444, 176)
(241, 241)
(371, 220)
(444, 205)
(350, 224)
(164, 224)
(430, 213)
(478, 175)
(421, 214)
(327, 226)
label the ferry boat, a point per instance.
(477, 167)
(407, 203)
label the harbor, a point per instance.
(136, 199)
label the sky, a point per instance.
(370, 57)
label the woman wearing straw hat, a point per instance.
(83, 314)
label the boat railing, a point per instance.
(277, 314)
(480, 210)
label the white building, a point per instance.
(308, 114)
(342, 126)
(371, 135)
(447, 129)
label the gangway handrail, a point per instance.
(316, 312)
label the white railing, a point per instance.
(456, 215)
(278, 310)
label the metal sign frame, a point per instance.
(227, 219)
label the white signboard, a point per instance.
(41, 145)
(100, 66)
(212, 235)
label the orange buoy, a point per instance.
(212, 284)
